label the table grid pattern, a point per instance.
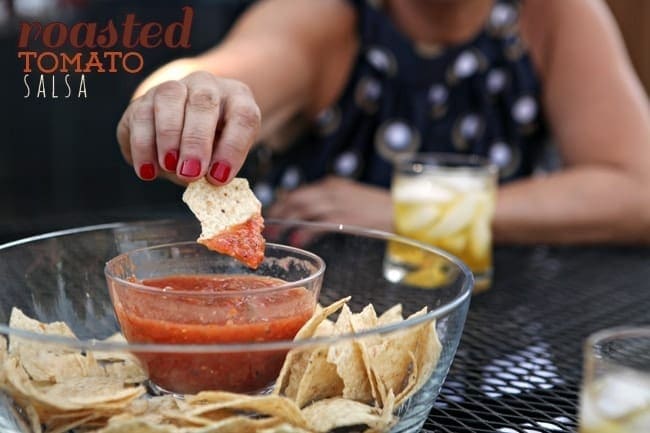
(519, 364)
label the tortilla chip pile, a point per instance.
(62, 387)
(357, 382)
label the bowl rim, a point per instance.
(463, 297)
(315, 275)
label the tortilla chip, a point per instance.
(349, 362)
(324, 329)
(366, 319)
(320, 379)
(114, 355)
(239, 424)
(296, 361)
(351, 369)
(3, 357)
(284, 428)
(270, 405)
(390, 360)
(230, 217)
(48, 366)
(136, 426)
(68, 424)
(3, 349)
(160, 410)
(377, 388)
(88, 392)
(155, 404)
(392, 315)
(47, 362)
(320, 315)
(19, 320)
(128, 371)
(333, 413)
(117, 364)
(343, 324)
(427, 355)
(32, 415)
(409, 381)
(404, 360)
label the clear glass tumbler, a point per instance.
(615, 395)
(447, 200)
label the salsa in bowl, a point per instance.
(183, 293)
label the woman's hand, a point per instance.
(337, 200)
(191, 127)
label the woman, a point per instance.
(373, 80)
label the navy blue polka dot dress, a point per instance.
(479, 97)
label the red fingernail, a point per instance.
(220, 171)
(147, 171)
(171, 160)
(191, 167)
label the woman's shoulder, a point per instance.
(315, 19)
(544, 24)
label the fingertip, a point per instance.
(146, 171)
(190, 169)
(170, 161)
(220, 172)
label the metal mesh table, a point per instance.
(519, 364)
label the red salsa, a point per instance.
(200, 310)
(243, 242)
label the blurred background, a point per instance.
(60, 165)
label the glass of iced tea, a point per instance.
(447, 200)
(615, 395)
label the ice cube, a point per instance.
(417, 217)
(589, 416)
(479, 243)
(640, 422)
(457, 217)
(463, 182)
(421, 188)
(455, 244)
(486, 205)
(617, 395)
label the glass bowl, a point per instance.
(59, 277)
(156, 300)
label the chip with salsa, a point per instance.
(230, 217)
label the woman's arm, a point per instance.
(599, 116)
(273, 63)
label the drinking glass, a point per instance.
(447, 200)
(615, 395)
